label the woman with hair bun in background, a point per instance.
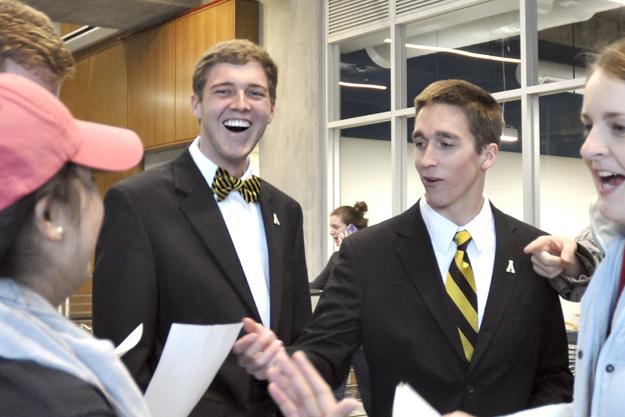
(344, 221)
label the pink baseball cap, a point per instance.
(38, 136)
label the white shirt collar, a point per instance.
(442, 230)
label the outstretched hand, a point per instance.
(258, 349)
(299, 391)
(552, 255)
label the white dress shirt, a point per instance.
(481, 249)
(247, 231)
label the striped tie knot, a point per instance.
(462, 239)
(223, 183)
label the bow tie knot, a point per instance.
(223, 183)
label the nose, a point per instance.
(424, 157)
(239, 101)
(593, 147)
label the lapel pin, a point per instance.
(510, 267)
(275, 220)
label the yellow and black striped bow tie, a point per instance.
(460, 286)
(223, 183)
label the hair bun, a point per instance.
(361, 207)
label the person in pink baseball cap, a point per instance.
(50, 215)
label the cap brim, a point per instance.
(108, 148)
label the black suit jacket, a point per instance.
(165, 255)
(387, 294)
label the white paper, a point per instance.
(130, 341)
(553, 410)
(191, 358)
(408, 403)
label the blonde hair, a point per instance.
(481, 109)
(237, 52)
(28, 38)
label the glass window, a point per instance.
(504, 181)
(477, 44)
(414, 187)
(566, 187)
(568, 31)
(365, 76)
(365, 160)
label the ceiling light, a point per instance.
(359, 85)
(459, 52)
(509, 134)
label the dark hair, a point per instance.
(28, 38)
(353, 215)
(16, 221)
(237, 52)
(481, 109)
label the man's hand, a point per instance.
(458, 414)
(299, 390)
(552, 255)
(258, 349)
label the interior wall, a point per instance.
(291, 152)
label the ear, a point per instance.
(48, 220)
(488, 157)
(196, 106)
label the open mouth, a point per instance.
(609, 180)
(237, 125)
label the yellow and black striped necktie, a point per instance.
(223, 183)
(460, 286)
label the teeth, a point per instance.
(237, 123)
(604, 174)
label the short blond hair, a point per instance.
(480, 108)
(28, 38)
(237, 52)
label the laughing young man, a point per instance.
(441, 296)
(177, 245)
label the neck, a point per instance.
(234, 168)
(462, 216)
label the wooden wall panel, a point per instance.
(246, 20)
(151, 85)
(194, 35)
(108, 95)
(75, 91)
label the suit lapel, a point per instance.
(418, 259)
(275, 247)
(200, 208)
(503, 283)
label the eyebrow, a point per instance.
(231, 84)
(439, 134)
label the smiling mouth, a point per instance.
(608, 180)
(237, 125)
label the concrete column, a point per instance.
(291, 152)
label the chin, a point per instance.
(612, 213)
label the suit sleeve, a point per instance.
(124, 283)
(334, 333)
(553, 382)
(302, 309)
(322, 279)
